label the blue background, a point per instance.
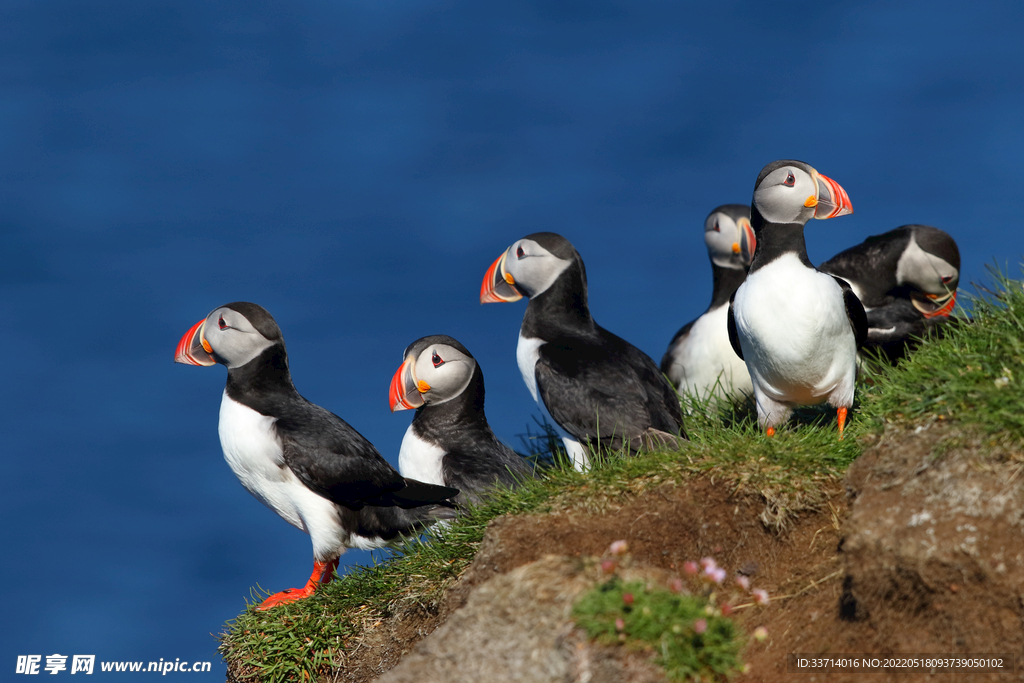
(355, 168)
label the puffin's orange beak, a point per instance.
(944, 304)
(748, 241)
(498, 286)
(193, 349)
(404, 394)
(832, 199)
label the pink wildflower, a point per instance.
(743, 582)
(700, 626)
(760, 634)
(690, 568)
(714, 574)
(627, 598)
(760, 596)
(608, 566)
(676, 585)
(620, 624)
(618, 548)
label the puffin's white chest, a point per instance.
(527, 354)
(253, 451)
(420, 460)
(705, 361)
(796, 337)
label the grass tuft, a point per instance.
(974, 375)
(689, 639)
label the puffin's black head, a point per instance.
(729, 237)
(790, 191)
(529, 267)
(435, 369)
(231, 335)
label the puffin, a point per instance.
(601, 391)
(300, 460)
(798, 329)
(700, 360)
(907, 279)
(449, 442)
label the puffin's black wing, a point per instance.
(854, 311)
(605, 389)
(895, 329)
(337, 462)
(871, 264)
(734, 337)
(474, 471)
(897, 322)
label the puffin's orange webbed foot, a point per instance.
(287, 596)
(841, 415)
(323, 572)
(770, 431)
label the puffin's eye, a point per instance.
(520, 253)
(436, 359)
(223, 325)
(717, 229)
(790, 181)
(947, 279)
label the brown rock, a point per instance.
(518, 627)
(934, 546)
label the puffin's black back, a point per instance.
(596, 385)
(600, 387)
(872, 264)
(894, 324)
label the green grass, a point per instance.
(669, 623)
(792, 471)
(973, 378)
(296, 642)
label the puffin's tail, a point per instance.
(390, 522)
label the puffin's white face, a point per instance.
(730, 241)
(936, 279)
(431, 374)
(225, 336)
(525, 269)
(927, 272)
(793, 194)
(787, 195)
(232, 337)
